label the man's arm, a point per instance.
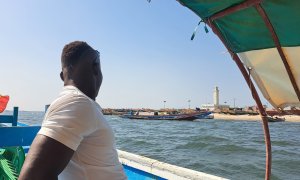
(46, 159)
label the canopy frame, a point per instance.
(255, 96)
(242, 68)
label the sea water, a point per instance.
(230, 149)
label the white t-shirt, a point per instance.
(77, 121)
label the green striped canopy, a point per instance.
(246, 34)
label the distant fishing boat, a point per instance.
(276, 119)
(155, 116)
(208, 115)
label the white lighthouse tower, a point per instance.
(216, 97)
(216, 106)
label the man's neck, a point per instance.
(83, 89)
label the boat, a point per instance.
(262, 38)
(185, 117)
(156, 116)
(275, 119)
(205, 115)
(209, 116)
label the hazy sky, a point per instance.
(146, 53)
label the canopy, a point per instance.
(265, 36)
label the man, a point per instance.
(75, 141)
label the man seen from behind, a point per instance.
(75, 141)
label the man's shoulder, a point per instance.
(71, 98)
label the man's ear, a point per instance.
(61, 76)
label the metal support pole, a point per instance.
(15, 116)
(255, 97)
(209, 21)
(263, 115)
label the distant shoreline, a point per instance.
(288, 118)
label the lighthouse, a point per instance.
(216, 106)
(216, 96)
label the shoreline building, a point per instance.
(216, 106)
